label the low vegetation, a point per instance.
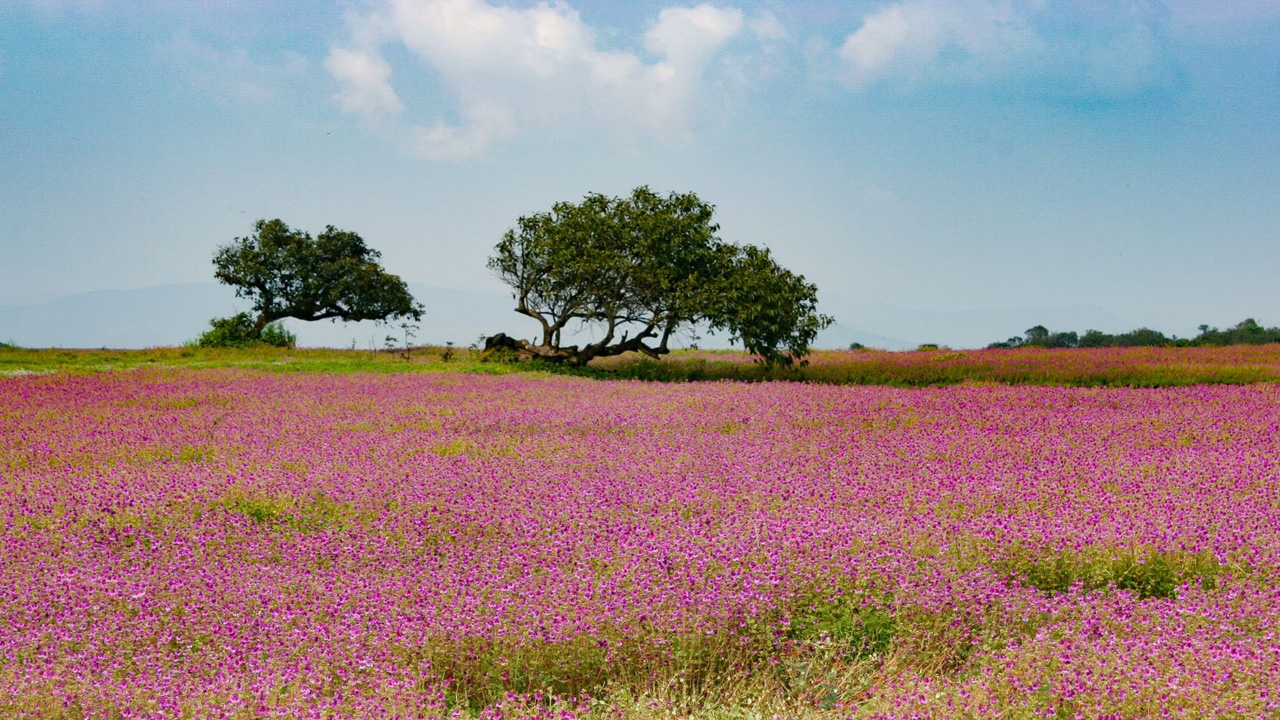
(227, 542)
(1100, 367)
(240, 331)
(1246, 332)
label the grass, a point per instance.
(831, 657)
(312, 514)
(1147, 574)
(20, 361)
(1111, 367)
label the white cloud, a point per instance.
(484, 127)
(233, 72)
(767, 27)
(910, 37)
(512, 69)
(1107, 47)
(686, 36)
(364, 79)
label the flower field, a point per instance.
(1079, 367)
(227, 543)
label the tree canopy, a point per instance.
(638, 270)
(289, 274)
(1246, 332)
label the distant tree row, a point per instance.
(634, 271)
(1247, 332)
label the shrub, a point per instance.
(237, 331)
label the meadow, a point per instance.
(216, 535)
(1082, 367)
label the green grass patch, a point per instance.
(1145, 367)
(1147, 573)
(317, 512)
(848, 628)
(827, 654)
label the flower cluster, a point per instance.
(225, 543)
(1097, 367)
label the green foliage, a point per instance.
(1246, 332)
(1142, 337)
(239, 331)
(1040, 337)
(287, 273)
(855, 631)
(1150, 574)
(772, 311)
(643, 268)
(309, 514)
(275, 335)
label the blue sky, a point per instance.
(938, 156)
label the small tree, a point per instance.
(287, 273)
(238, 331)
(638, 269)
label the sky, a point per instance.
(967, 155)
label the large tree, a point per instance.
(289, 274)
(637, 270)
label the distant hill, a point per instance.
(902, 328)
(146, 317)
(166, 315)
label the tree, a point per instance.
(640, 269)
(288, 274)
(1040, 337)
(238, 331)
(1246, 332)
(1142, 337)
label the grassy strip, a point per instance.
(1164, 367)
(1151, 573)
(1145, 367)
(23, 361)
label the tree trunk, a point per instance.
(575, 356)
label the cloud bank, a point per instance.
(502, 72)
(511, 69)
(1104, 47)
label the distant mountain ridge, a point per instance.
(167, 315)
(904, 328)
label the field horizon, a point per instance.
(1085, 367)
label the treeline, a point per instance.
(1247, 332)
